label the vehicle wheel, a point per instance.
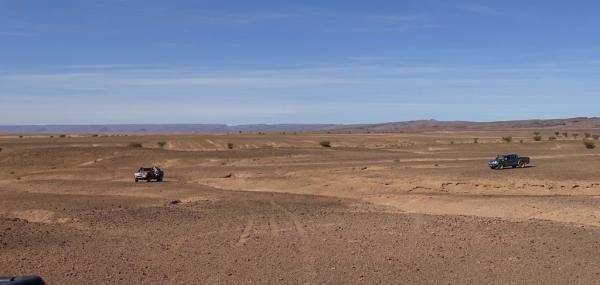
(500, 167)
(136, 180)
(159, 180)
(521, 164)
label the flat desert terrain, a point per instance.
(420, 208)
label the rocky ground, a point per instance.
(374, 208)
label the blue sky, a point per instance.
(238, 62)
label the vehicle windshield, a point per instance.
(145, 169)
(500, 157)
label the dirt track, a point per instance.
(280, 209)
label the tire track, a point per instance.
(308, 255)
(275, 230)
(247, 231)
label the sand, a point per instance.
(278, 208)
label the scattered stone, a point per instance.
(228, 175)
(175, 202)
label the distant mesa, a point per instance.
(406, 126)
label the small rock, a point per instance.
(175, 202)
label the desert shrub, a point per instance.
(595, 137)
(475, 140)
(20, 137)
(557, 134)
(230, 145)
(587, 135)
(589, 144)
(520, 141)
(325, 143)
(51, 137)
(565, 134)
(507, 139)
(135, 144)
(451, 142)
(161, 144)
(95, 135)
(537, 138)
(0, 149)
(575, 135)
(551, 138)
(63, 136)
(536, 133)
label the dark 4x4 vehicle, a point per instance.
(508, 160)
(149, 174)
(22, 280)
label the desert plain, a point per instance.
(278, 208)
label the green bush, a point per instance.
(135, 144)
(507, 139)
(537, 138)
(589, 144)
(325, 143)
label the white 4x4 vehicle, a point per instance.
(149, 174)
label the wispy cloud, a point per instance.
(326, 92)
(481, 9)
(17, 34)
(121, 78)
(477, 9)
(118, 66)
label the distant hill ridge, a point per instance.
(406, 126)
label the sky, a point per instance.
(247, 62)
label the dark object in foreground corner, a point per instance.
(22, 280)
(509, 160)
